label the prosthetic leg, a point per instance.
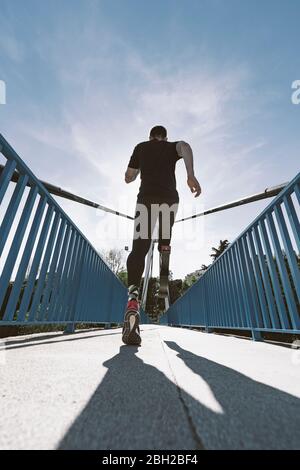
(165, 251)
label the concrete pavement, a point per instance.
(182, 389)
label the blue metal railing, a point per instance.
(255, 284)
(60, 278)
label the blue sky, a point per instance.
(87, 79)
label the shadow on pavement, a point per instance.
(134, 407)
(63, 339)
(254, 415)
(29, 342)
(137, 407)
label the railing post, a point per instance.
(70, 329)
(208, 330)
(256, 335)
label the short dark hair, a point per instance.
(158, 131)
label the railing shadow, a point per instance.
(30, 342)
(63, 339)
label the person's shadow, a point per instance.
(137, 407)
(254, 415)
(134, 407)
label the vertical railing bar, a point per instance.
(217, 296)
(83, 291)
(274, 277)
(211, 304)
(101, 284)
(6, 177)
(235, 289)
(223, 305)
(103, 270)
(68, 290)
(245, 282)
(77, 281)
(207, 303)
(51, 275)
(57, 282)
(291, 212)
(94, 307)
(259, 283)
(191, 303)
(228, 291)
(66, 299)
(15, 248)
(239, 284)
(203, 298)
(257, 314)
(204, 301)
(297, 191)
(264, 267)
(64, 278)
(232, 299)
(290, 254)
(74, 280)
(96, 302)
(11, 210)
(84, 300)
(35, 265)
(33, 312)
(107, 302)
(284, 274)
(90, 283)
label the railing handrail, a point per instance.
(266, 194)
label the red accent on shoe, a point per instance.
(132, 305)
(165, 248)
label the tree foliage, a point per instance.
(114, 258)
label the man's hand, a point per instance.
(131, 174)
(194, 185)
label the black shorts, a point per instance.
(154, 218)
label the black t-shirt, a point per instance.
(156, 159)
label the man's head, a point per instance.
(159, 133)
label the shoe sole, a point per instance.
(131, 330)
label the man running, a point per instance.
(155, 159)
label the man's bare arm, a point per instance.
(131, 174)
(185, 151)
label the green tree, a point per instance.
(175, 289)
(218, 251)
(114, 259)
(122, 275)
